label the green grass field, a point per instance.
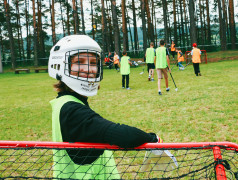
(203, 109)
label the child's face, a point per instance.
(84, 65)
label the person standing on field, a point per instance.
(162, 64)
(196, 59)
(116, 60)
(180, 59)
(125, 70)
(173, 50)
(150, 55)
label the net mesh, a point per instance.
(192, 163)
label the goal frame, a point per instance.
(214, 146)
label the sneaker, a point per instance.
(199, 74)
(167, 89)
(152, 79)
(128, 88)
(123, 87)
(160, 93)
(149, 78)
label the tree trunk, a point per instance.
(150, 25)
(193, 35)
(36, 63)
(9, 28)
(123, 6)
(208, 23)
(154, 21)
(232, 24)
(135, 26)
(182, 23)
(82, 16)
(179, 27)
(110, 37)
(27, 31)
(62, 18)
(92, 19)
(224, 8)
(104, 34)
(18, 29)
(68, 26)
(201, 22)
(175, 22)
(1, 45)
(222, 26)
(115, 27)
(143, 25)
(53, 22)
(128, 18)
(166, 37)
(76, 22)
(186, 22)
(40, 32)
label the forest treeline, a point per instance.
(25, 25)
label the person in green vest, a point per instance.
(150, 55)
(76, 63)
(162, 64)
(125, 69)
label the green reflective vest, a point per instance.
(150, 54)
(63, 167)
(125, 66)
(161, 60)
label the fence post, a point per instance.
(220, 170)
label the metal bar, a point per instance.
(203, 145)
(220, 169)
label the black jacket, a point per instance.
(79, 123)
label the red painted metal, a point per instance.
(220, 170)
(203, 145)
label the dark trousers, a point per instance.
(116, 66)
(127, 80)
(196, 68)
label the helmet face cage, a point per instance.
(84, 65)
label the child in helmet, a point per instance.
(196, 59)
(75, 61)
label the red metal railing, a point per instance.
(214, 146)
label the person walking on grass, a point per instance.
(116, 60)
(150, 55)
(180, 59)
(76, 63)
(196, 59)
(173, 49)
(162, 64)
(125, 70)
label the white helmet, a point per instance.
(78, 75)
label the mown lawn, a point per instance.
(203, 109)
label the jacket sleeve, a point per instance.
(79, 123)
